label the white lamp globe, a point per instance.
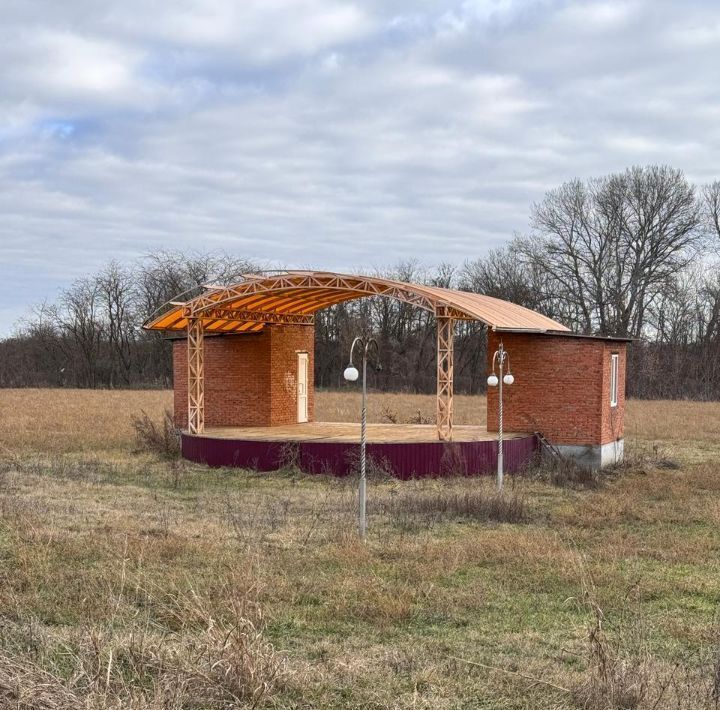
(508, 379)
(493, 381)
(351, 374)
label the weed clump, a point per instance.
(162, 439)
(388, 415)
(377, 468)
(643, 458)
(564, 473)
(188, 656)
(420, 418)
(623, 674)
(411, 508)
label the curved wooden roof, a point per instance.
(294, 297)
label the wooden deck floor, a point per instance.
(345, 431)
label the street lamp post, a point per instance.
(500, 358)
(351, 374)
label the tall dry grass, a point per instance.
(157, 650)
(672, 420)
(100, 420)
(65, 420)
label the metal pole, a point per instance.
(501, 358)
(362, 494)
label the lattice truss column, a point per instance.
(196, 376)
(445, 374)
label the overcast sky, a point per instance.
(324, 133)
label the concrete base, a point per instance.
(595, 456)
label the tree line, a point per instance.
(633, 254)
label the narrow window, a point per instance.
(614, 359)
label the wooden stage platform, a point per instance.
(404, 450)
(345, 431)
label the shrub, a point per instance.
(388, 415)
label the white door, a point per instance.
(302, 385)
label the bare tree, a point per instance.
(78, 316)
(611, 244)
(168, 274)
(118, 299)
(711, 210)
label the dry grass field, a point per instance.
(130, 580)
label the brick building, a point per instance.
(570, 388)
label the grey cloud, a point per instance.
(328, 133)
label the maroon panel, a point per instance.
(404, 460)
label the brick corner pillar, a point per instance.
(569, 388)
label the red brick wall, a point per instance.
(613, 418)
(562, 388)
(250, 380)
(287, 342)
(180, 383)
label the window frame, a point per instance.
(614, 377)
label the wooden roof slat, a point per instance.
(302, 293)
